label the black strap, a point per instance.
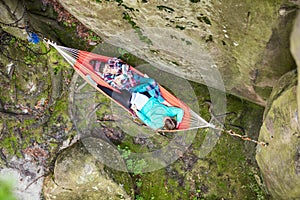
(146, 93)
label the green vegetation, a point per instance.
(32, 105)
(228, 171)
(135, 166)
(6, 191)
(93, 37)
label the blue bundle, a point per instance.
(32, 37)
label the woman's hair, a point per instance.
(98, 65)
(170, 123)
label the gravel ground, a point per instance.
(27, 178)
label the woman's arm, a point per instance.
(143, 117)
(178, 112)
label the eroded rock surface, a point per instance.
(246, 41)
(280, 161)
(13, 15)
(78, 175)
(295, 49)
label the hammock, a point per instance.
(85, 64)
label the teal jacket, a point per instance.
(154, 112)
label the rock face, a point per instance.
(247, 41)
(78, 175)
(280, 161)
(295, 49)
(12, 16)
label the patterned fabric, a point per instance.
(122, 72)
(149, 85)
(130, 80)
(116, 63)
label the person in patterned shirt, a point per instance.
(117, 74)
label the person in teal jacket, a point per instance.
(155, 114)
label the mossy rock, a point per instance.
(78, 176)
(279, 162)
(12, 17)
(295, 49)
(246, 42)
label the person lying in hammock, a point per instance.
(117, 74)
(154, 113)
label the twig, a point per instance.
(16, 115)
(107, 120)
(3, 157)
(35, 180)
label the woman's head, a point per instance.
(170, 123)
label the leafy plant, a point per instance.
(136, 166)
(139, 182)
(138, 197)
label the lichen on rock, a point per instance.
(13, 15)
(279, 162)
(295, 49)
(78, 175)
(246, 41)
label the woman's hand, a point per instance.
(118, 80)
(133, 107)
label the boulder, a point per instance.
(13, 15)
(78, 175)
(245, 42)
(295, 49)
(280, 160)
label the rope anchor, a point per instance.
(244, 137)
(220, 126)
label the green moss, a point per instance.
(137, 29)
(21, 136)
(10, 144)
(154, 186)
(204, 19)
(60, 112)
(165, 8)
(224, 173)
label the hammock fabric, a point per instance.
(85, 64)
